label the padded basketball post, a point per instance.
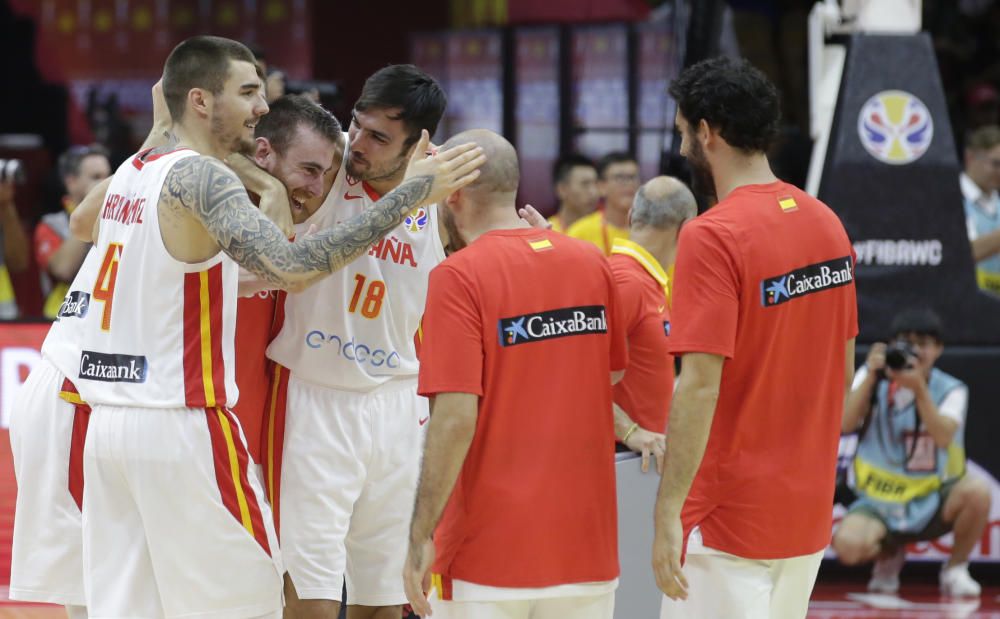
(891, 174)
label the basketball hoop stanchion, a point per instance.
(885, 159)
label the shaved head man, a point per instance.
(511, 398)
(641, 265)
(489, 202)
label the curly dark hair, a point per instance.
(732, 96)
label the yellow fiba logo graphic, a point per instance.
(895, 127)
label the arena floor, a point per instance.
(830, 601)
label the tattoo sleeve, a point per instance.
(210, 190)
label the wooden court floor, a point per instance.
(830, 601)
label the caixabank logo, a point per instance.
(75, 305)
(113, 367)
(555, 323)
(806, 280)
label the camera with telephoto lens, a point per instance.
(12, 171)
(897, 355)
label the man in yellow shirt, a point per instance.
(617, 182)
(575, 180)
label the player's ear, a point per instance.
(263, 151)
(199, 100)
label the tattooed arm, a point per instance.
(212, 192)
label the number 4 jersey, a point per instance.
(160, 333)
(354, 330)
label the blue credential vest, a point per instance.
(987, 271)
(897, 478)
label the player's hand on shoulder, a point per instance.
(534, 219)
(448, 170)
(253, 177)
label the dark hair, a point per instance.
(612, 158)
(200, 62)
(565, 164)
(983, 138)
(287, 113)
(257, 51)
(418, 96)
(922, 321)
(733, 97)
(69, 162)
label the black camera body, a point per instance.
(897, 355)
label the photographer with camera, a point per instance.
(910, 464)
(13, 240)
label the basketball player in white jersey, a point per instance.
(48, 425)
(345, 427)
(173, 523)
(49, 420)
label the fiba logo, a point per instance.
(895, 127)
(416, 220)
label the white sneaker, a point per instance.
(885, 574)
(956, 582)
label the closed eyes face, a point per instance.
(302, 167)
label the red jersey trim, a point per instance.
(273, 438)
(204, 368)
(374, 195)
(231, 459)
(78, 437)
(140, 158)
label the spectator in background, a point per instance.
(575, 180)
(980, 182)
(982, 106)
(13, 249)
(618, 180)
(910, 462)
(640, 264)
(57, 253)
(275, 85)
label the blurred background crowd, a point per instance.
(578, 87)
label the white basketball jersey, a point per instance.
(161, 333)
(354, 329)
(62, 344)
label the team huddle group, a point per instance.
(258, 251)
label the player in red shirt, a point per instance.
(301, 144)
(640, 264)
(518, 340)
(764, 315)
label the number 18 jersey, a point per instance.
(354, 330)
(163, 332)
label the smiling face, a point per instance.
(378, 147)
(308, 160)
(236, 110)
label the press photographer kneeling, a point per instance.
(909, 469)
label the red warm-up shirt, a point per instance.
(766, 280)
(528, 320)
